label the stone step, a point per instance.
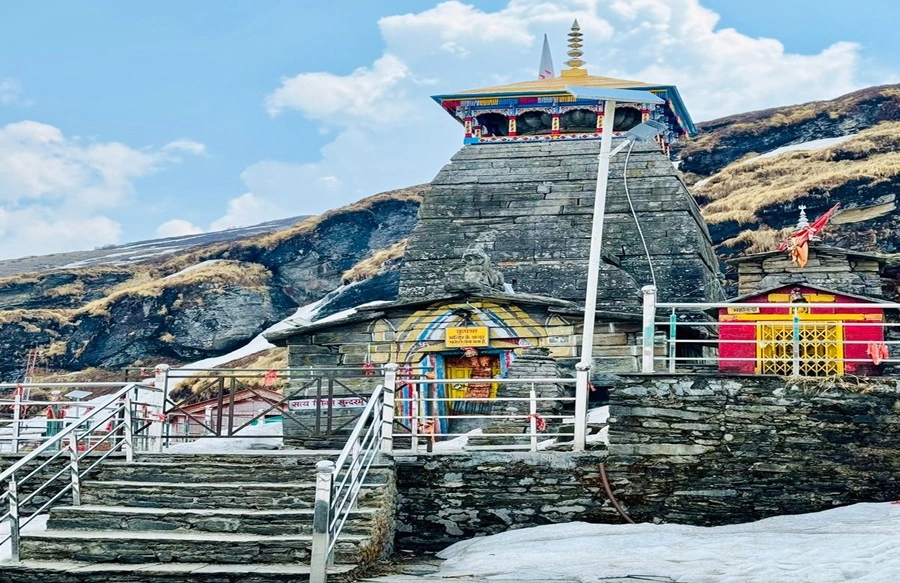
(117, 546)
(226, 520)
(83, 572)
(244, 495)
(232, 470)
(286, 457)
(145, 471)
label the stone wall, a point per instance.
(827, 267)
(446, 498)
(530, 208)
(716, 450)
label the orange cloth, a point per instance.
(878, 351)
(800, 253)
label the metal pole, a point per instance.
(532, 406)
(673, 330)
(158, 400)
(593, 275)
(795, 369)
(649, 328)
(17, 419)
(582, 379)
(73, 469)
(128, 422)
(414, 418)
(387, 408)
(321, 522)
(13, 519)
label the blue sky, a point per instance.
(126, 120)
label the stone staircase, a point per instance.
(202, 518)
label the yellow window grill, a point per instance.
(821, 348)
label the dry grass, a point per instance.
(741, 189)
(271, 240)
(759, 240)
(33, 317)
(75, 288)
(212, 276)
(375, 263)
(197, 388)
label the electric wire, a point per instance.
(634, 214)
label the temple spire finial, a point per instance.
(802, 222)
(575, 53)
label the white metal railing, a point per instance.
(121, 423)
(338, 483)
(426, 416)
(800, 339)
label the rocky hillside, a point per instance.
(750, 172)
(204, 300)
(182, 300)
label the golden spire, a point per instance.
(575, 63)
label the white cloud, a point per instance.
(177, 228)
(10, 92)
(186, 146)
(53, 187)
(387, 133)
(247, 209)
(366, 92)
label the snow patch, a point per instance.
(248, 440)
(855, 543)
(192, 268)
(801, 147)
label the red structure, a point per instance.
(811, 341)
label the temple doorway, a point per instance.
(472, 365)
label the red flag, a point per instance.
(802, 236)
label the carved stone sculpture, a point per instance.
(475, 274)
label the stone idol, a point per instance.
(475, 274)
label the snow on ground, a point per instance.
(248, 440)
(257, 344)
(39, 524)
(192, 268)
(856, 543)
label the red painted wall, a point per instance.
(737, 339)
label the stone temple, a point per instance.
(494, 274)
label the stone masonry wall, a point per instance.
(530, 208)
(447, 498)
(717, 450)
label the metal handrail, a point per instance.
(338, 483)
(121, 434)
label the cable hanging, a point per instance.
(634, 214)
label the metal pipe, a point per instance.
(609, 493)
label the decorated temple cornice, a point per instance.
(543, 110)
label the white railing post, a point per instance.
(414, 418)
(321, 537)
(532, 417)
(387, 408)
(649, 328)
(795, 361)
(72, 446)
(582, 384)
(128, 430)
(13, 519)
(17, 418)
(157, 402)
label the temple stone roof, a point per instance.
(557, 85)
(529, 206)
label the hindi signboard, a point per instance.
(463, 337)
(336, 403)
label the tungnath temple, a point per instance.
(498, 258)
